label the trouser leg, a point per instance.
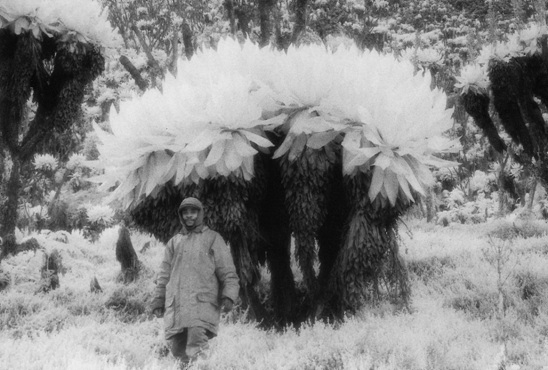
(178, 346)
(197, 341)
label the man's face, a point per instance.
(190, 215)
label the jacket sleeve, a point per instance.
(225, 270)
(163, 277)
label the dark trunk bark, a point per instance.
(229, 6)
(125, 254)
(265, 20)
(242, 14)
(300, 18)
(9, 210)
(187, 41)
(274, 227)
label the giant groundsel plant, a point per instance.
(50, 50)
(512, 76)
(330, 147)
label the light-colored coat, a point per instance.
(196, 273)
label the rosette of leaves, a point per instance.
(388, 149)
(303, 82)
(198, 137)
(474, 82)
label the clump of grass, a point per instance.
(431, 267)
(130, 302)
(506, 229)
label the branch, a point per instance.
(174, 52)
(156, 69)
(134, 72)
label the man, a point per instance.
(197, 279)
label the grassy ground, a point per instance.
(480, 294)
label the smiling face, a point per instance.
(189, 216)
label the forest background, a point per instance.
(479, 287)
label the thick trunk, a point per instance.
(229, 6)
(265, 20)
(300, 18)
(9, 210)
(187, 41)
(274, 228)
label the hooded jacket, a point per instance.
(197, 271)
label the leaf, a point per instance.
(156, 168)
(352, 140)
(383, 161)
(376, 183)
(358, 160)
(171, 168)
(232, 159)
(405, 187)
(257, 139)
(215, 153)
(282, 149)
(181, 166)
(297, 147)
(410, 175)
(391, 185)
(201, 142)
(242, 146)
(21, 24)
(321, 139)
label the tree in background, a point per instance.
(512, 75)
(50, 52)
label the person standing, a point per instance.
(197, 279)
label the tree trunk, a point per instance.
(174, 52)
(242, 13)
(9, 219)
(300, 18)
(229, 6)
(187, 41)
(274, 227)
(265, 20)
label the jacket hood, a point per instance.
(192, 203)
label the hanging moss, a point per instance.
(506, 83)
(307, 182)
(477, 106)
(369, 251)
(158, 216)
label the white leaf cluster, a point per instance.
(85, 20)
(98, 213)
(473, 77)
(45, 162)
(211, 120)
(76, 160)
(422, 56)
(520, 43)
